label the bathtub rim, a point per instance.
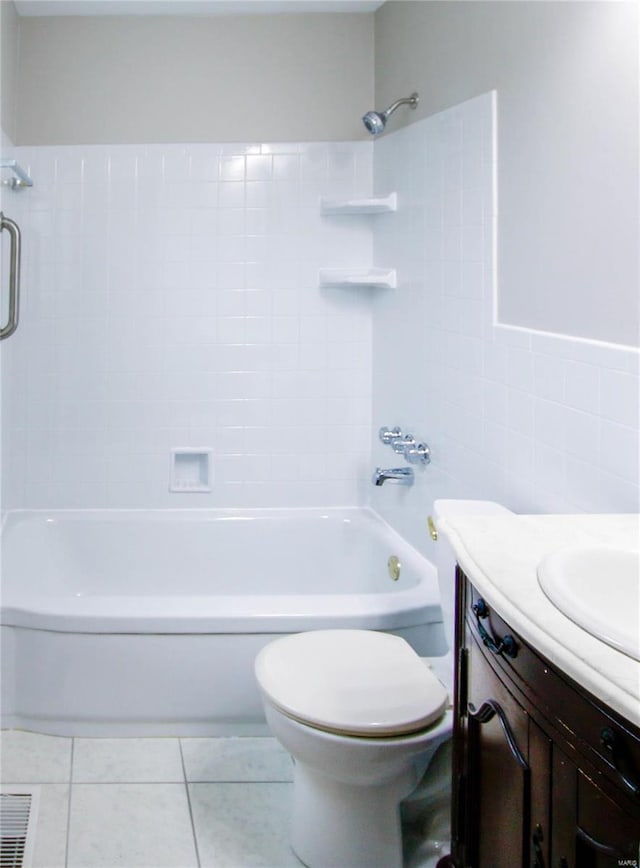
(186, 614)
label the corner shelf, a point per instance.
(368, 278)
(371, 277)
(368, 205)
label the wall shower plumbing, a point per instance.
(375, 122)
(401, 475)
(405, 444)
(402, 444)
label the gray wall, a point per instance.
(567, 80)
(256, 78)
(8, 60)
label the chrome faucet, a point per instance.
(401, 475)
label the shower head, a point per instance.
(375, 122)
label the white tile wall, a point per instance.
(170, 298)
(542, 423)
(6, 148)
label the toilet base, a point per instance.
(339, 825)
(347, 790)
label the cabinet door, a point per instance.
(607, 837)
(540, 758)
(590, 830)
(563, 782)
(498, 799)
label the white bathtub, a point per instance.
(138, 622)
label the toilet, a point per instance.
(362, 715)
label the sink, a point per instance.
(598, 588)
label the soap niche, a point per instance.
(190, 470)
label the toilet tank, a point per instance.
(445, 559)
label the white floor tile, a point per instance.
(243, 825)
(127, 760)
(236, 759)
(50, 846)
(130, 825)
(27, 757)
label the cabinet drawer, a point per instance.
(496, 821)
(601, 735)
(603, 827)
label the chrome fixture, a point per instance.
(401, 475)
(14, 276)
(405, 444)
(20, 179)
(417, 453)
(375, 122)
(388, 436)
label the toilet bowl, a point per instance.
(362, 715)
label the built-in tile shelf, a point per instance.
(371, 277)
(367, 205)
(365, 277)
(190, 470)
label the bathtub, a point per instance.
(124, 623)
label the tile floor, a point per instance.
(160, 802)
(156, 802)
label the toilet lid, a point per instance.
(355, 682)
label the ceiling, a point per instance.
(189, 7)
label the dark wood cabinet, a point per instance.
(545, 775)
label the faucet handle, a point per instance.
(388, 436)
(403, 443)
(418, 453)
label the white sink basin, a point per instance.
(598, 588)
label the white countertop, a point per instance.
(500, 555)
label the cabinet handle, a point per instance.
(536, 839)
(507, 645)
(485, 713)
(598, 846)
(610, 741)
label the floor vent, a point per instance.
(18, 814)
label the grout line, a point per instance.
(186, 786)
(66, 843)
(127, 783)
(240, 783)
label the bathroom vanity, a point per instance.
(547, 725)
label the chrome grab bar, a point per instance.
(14, 276)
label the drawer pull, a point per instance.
(536, 839)
(507, 645)
(621, 763)
(487, 711)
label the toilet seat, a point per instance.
(351, 682)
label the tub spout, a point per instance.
(401, 475)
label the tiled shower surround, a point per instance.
(171, 299)
(540, 423)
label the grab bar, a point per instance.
(14, 276)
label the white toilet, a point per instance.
(362, 714)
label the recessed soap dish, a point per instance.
(190, 470)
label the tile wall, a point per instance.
(170, 299)
(541, 423)
(6, 148)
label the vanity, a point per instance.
(547, 724)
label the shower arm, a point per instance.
(408, 100)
